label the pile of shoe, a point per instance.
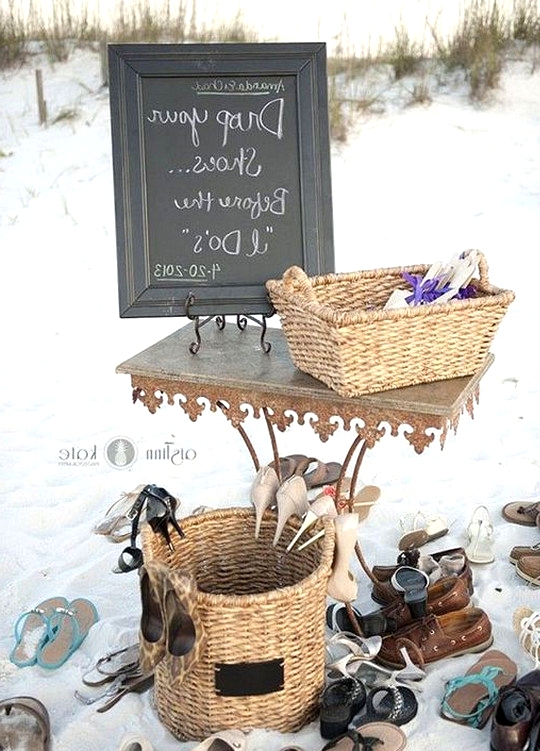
(433, 619)
(526, 558)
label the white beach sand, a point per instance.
(413, 185)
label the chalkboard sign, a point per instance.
(221, 173)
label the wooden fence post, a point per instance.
(42, 104)
(104, 63)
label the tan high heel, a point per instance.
(342, 584)
(263, 493)
(292, 500)
(323, 505)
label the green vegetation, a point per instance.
(475, 50)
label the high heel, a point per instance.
(263, 493)
(357, 649)
(160, 511)
(185, 631)
(323, 505)
(342, 584)
(292, 500)
(152, 635)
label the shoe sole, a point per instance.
(472, 650)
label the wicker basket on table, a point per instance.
(337, 330)
(263, 613)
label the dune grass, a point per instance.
(478, 47)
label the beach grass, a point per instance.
(477, 48)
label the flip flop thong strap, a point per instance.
(21, 620)
(486, 677)
(58, 617)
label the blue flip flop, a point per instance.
(33, 629)
(71, 625)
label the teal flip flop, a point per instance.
(33, 629)
(71, 625)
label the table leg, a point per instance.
(244, 436)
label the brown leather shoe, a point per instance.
(528, 567)
(383, 592)
(437, 637)
(444, 596)
(519, 551)
(515, 713)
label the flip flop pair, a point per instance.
(49, 634)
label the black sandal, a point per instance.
(395, 704)
(341, 700)
(160, 510)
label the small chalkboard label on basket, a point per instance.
(221, 173)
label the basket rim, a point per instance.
(491, 297)
(321, 571)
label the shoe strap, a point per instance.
(530, 631)
(486, 677)
(19, 623)
(58, 617)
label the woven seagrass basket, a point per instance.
(337, 330)
(263, 614)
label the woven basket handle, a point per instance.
(482, 268)
(296, 280)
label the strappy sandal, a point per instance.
(471, 699)
(480, 533)
(111, 665)
(121, 685)
(160, 512)
(17, 732)
(392, 703)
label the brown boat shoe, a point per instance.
(518, 512)
(444, 596)
(519, 551)
(528, 568)
(437, 637)
(383, 592)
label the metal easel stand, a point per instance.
(241, 322)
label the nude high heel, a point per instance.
(322, 506)
(342, 585)
(292, 500)
(263, 493)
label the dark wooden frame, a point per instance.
(129, 65)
